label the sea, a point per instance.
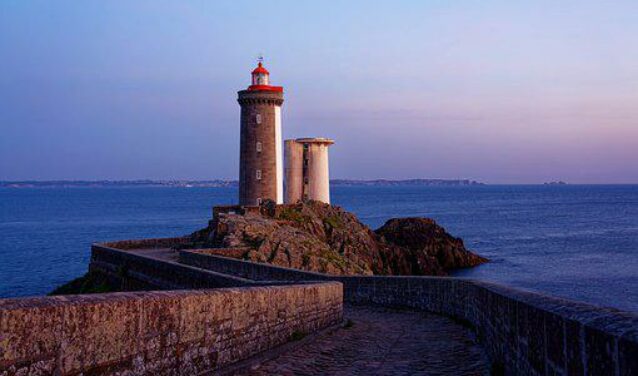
(574, 241)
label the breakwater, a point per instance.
(182, 332)
(523, 333)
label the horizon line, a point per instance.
(333, 180)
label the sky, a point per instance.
(496, 91)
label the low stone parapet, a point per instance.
(147, 243)
(246, 269)
(167, 332)
(524, 333)
(120, 261)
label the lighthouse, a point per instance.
(261, 159)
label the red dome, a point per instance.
(260, 69)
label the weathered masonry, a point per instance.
(307, 170)
(261, 169)
(261, 158)
(179, 332)
(525, 333)
(259, 307)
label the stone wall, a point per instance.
(155, 333)
(526, 333)
(267, 105)
(148, 243)
(246, 269)
(141, 272)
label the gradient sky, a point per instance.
(497, 91)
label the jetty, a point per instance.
(191, 312)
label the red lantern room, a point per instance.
(261, 80)
(261, 75)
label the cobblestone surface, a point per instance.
(384, 341)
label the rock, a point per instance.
(319, 237)
(424, 236)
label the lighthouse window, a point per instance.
(259, 147)
(258, 118)
(258, 175)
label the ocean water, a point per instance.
(578, 242)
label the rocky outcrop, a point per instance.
(424, 238)
(319, 237)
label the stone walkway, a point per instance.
(383, 341)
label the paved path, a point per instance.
(381, 341)
(384, 341)
(164, 254)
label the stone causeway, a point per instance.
(190, 312)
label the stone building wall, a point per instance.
(307, 170)
(266, 104)
(155, 333)
(294, 171)
(318, 172)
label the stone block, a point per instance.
(29, 328)
(98, 330)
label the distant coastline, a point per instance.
(220, 183)
(418, 182)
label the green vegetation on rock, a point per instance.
(319, 237)
(333, 221)
(290, 214)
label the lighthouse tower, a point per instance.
(260, 159)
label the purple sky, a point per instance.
(497, 91)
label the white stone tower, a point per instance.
(307, 170)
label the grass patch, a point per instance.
(334, 221)
(334, 258)
(289, 214)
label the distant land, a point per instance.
(386, 182)
(221, 183)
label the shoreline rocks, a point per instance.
(319, 237)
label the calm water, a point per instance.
(579, 242)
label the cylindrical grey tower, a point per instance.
(261, 159)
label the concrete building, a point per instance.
(307, 171)
(261, 159)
